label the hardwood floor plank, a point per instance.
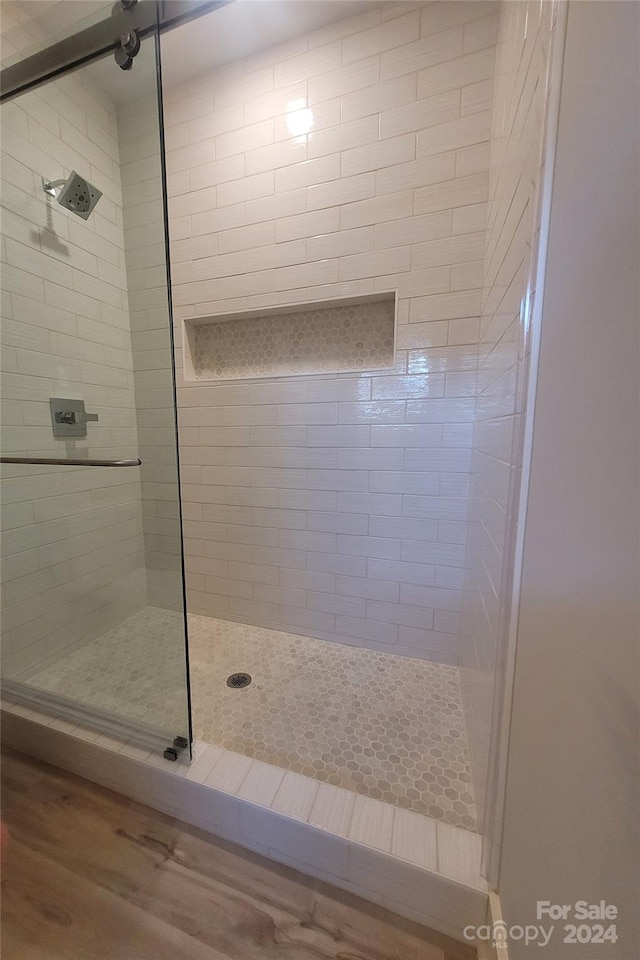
(49, 912)
(88, 873)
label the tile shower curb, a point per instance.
(276, 813)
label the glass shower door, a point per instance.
(93, 613)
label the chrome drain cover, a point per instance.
(239, 680)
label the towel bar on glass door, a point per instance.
(62, 462)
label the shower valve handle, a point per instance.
(68, 417)
(74, 416)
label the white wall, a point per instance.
(337, 506)
(73, 561)
(571, 829)
(516, 168)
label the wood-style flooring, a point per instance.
(89, 875)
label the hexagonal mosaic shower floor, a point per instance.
(389, 727)
(135, 670)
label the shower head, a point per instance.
(77, 195)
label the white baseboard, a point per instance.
(493, 947)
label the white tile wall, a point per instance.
(516, 165)
(73, 559)
(387, 189)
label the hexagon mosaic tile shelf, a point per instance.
(384, 726)
(337, 337)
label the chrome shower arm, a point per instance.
(50, 186)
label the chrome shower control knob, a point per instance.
(66, 416)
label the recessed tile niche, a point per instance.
(337, 336)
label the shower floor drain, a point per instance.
(239, 680)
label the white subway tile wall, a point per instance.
(352, 161)
(519, 103)
(72, 548)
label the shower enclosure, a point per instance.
(94, 627)
(310, 244)
(322, 572)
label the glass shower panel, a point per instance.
(93, 598)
